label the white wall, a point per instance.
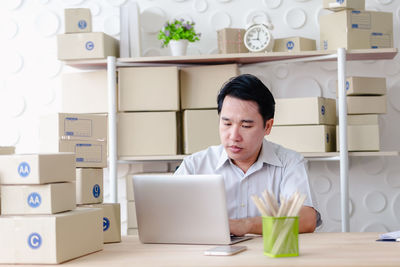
(29, 83)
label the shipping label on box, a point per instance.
(356, 30)
(148, 89)
(365, 86)
(305, 138)
(337, 5)
(200, 85)
(37, 168)
(200, 130)
(89, 185)
(37, 199)
(361, 138)
(50, 239)
(366, 104)
(7, 150)
(231, 40)
(93, 45)
(77, 20)
(84, 92)
(111, 221)
(294, 44)
(303, 111)
(148, 133)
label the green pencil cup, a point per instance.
(281, 236)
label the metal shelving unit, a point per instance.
(341, 56)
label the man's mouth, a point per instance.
(235, 149)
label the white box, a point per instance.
(365, 86)
(37, 168)
(305, 138)
(361, 138)
(294, 44)
(200, 85)
(200, 130)
(353, 29)
(111, 221)
(337, 5)
(147, 133)
(7, 150)
(366, 104)
(148, 89)
(84, 92)
(37, 199)
(89, 186)
(92, 45)
(50, 239)
(67, 126)
(368, 119)
(77, 20)
(303, 111)
(132, 220)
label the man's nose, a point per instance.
(235, 133)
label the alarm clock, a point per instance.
(258, 38)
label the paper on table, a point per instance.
(390, 235)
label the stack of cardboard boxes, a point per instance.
(366, 98)
(351, 27)
(79, 36)
(305, 124)
(39, 222)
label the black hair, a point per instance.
(249, 87)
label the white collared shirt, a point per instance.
(277, 169)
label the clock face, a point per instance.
(257, 38)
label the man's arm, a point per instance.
(240, 227)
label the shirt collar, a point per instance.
(267, 155)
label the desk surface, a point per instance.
(318, 249)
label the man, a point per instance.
(249, 163)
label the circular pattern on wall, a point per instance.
(391, 67)
(116, 3)
(384, 2)
(112, 25)
(13, 4)
(224, 1)
(200, 5)
(44, 2)
(12, 104)
(152, 19)
(295, 18)
(281, 71)
(333, 207)
(375, 227)
(328, 66)
(375, 202)
(9, 29)
(51, 66)
(9, 136)
(302, 87)
(332, 84)
(394, 96)
(396, 207)
(13, 62)
(73, 2)
(373, 165)
(272, 4)
(47, 95)
(152, 52)
(47, 23)
(393, 178)
(256, 17)
(184, 16)
(322, 185)
(95, 8)
(220, 20)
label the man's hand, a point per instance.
(241, 227)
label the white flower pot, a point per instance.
(178, 48)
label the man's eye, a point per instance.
(246, 126)
(227, 124)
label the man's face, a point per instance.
(241, 129)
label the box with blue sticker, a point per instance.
(89, 185)
(338, 5)
(294, 44)
(77, 20)
(355, 29)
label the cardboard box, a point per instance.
(37, 168)
(77, 20)
(366, 104)
(307, 110)
(200, 85)
(7, 150)
(37, 199)
(150, 88)
(89, 186)
(200, 130)
(148, 133)
(92, 45)
(231, 40)
(365, 86)
(361, 138)
(356, 30)
(337, 5)
(368, 119)
(68, 126)
(294, 44)
(306, 138)
(132, 220)
(84, 92)
(50, 239)
(111, 221)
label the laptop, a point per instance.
(182, 209)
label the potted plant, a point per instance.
(177, 34)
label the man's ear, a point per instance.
(268, 126)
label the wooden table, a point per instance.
(317, 249)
